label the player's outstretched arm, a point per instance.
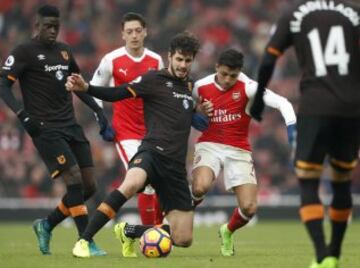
(265, 72)
(76, 83)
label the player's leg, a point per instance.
(145, 200)
(57, 155)
(134, 181)
(159, 217)
(312, 146)
(344, 150)
(206, 168)
(146, 205)
(169, 180)
(80, 147)
(90, 185)
(181, 226)
(239, 176)
(246, 198)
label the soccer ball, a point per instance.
(155, 242)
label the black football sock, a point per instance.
(106, 211)
(339, 213)
(60, 213)
(77, 208)
(312, 215)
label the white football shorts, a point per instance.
(237, 164)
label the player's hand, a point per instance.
(205, 107)
(106, 131)
(31, 125)
(258, 105)
(75, 82)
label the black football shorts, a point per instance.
(168, 177)
(321, 136)
(62, 148)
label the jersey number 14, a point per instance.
(334, 54)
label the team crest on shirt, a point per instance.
(236, 96)
(137, 161)
(65, 55)
(197, 159)
(190, 86)
(61, 159)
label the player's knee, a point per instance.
(198, 190)
(249, 209)
(200, 186)
(89, 191)
(72, 176)
(182, 240)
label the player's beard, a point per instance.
(173, 71)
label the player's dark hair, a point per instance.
(131, 16)
(185, 43)
(231, 58)
(48, 11)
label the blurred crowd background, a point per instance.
(92, 28)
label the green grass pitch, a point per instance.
(269, 244)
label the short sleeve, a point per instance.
(74, 67)
(15, 64)
(103, 73)
(195, 91)
(140, 86)
(281, 38)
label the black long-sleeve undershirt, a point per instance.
(8, 96)
(89, 101)
(110, 94)
(266, 70)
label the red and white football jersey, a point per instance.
(230, 123)
(116, 68)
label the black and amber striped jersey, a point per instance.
(42, 71)
(168, 109)
(326, 37)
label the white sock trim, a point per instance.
(243, 216)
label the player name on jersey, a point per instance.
(310, 6)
